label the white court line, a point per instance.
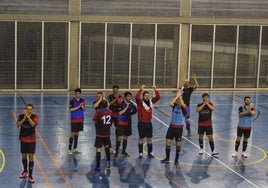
(250, 182)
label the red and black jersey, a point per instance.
(145, 114)
(27, 132)
(103, 121)
(116, 105)
(204, 118)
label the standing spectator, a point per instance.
(145, 111)
(176, 126)
(205, 123)
(77, 108)
(27, 123)
(246, 113)
(187, 91)
(103, 121)
(115, 100)
(124, 128)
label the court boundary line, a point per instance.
(222, 163)
(54, 161)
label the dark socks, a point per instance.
(167, 152)
(141, 148)
(201, 143)
(75, 141)
(70, 142)
(178, 149)
(237, 145)
(150, 148)
(117, 146)
(25, 164)
(211, 143)
(124, 145)
(98, 158)
(107, 152)
(31, 165)
(245, 144)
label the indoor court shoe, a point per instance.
(125, 154)
(176, 163)
(235, 154)
(244, 155)
(215, 154)
(166, 160)
(70, 152)
(151, 155)
(76, 151)
(108, 164)
(112, 151)
(141, 155)
(31, 180)
(115, 155)
(24, 174)
(97, 168)
(201, 151)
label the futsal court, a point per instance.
(54, 168)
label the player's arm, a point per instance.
(200, 107)
(21, 121)
(210, 106)
(196, 84)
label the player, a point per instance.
(103, 121)
(187, 91)
(145, 112)
(27, 123)
(77, 108)
(205, 110)
(246, 114)
(175, 129)
(124, 128)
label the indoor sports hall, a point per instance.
(50, 48)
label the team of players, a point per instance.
(117, 111)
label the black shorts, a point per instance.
(102, 141)
(245, 132)
(124, 130)
(174, 133)
(27, 147)
(76, 127)
(205, 129)
(145, 130)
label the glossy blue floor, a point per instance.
(54, 168)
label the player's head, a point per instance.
(146, 95)
(99, 94)
(127, 96)
(115, 89)
(186, 83)
(205, 96)
(247, 100)
(103, 104)
(77, 90)
(29, 108)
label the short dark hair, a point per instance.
(145, 92)
(246, 97)
(31, 105)
(103, 104)
(115, 86)
(127, 93)
(205, 95)
(77, 90)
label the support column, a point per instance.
(185, 12)
(74, 80)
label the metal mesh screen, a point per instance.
(55, 55)
(7, 55)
